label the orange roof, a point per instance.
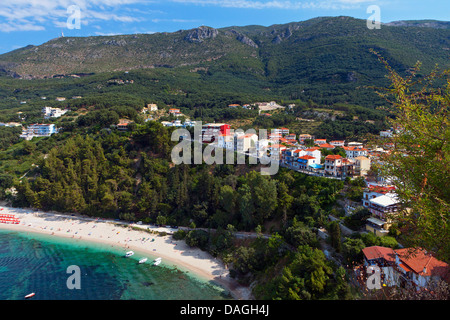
(423, 263)
(306, 157)
(381, 189)
(376, 252)
(333, 157)
(312, 149)
(326, 145)
(354, 148)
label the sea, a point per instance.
(56, 268)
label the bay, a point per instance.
(31, 262)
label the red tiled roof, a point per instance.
(376, 252)
(326, 145)
(312, 149)
(306, 157)
(381, 189)
(354, 149)
(423, 263)
(333, 157)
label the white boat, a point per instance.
(30, 295)
(129, 254)
(157, 261)
(143, 260)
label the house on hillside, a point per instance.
(38, 130)
(175, 112)
(385, 259)
(150, 107)
(326, 146)
(53, 112)
(362, 165)
(337, 143)
(320, 141)
(408, 267)
(305, 136)
(355, 151)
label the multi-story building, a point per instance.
(355, 151)
(211, 131)
(362, 165)
(281, 131)
(320, 141)
(305, 136)
(383, 206)
(337, 143)
(226, 141)
(38, 130)
(53, 112)
(332, 164)
(337, 166)
(275, 151)
(245, 142)
(305, 162)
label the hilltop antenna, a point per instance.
(62, 33)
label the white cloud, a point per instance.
(35, 15)
(10, 27)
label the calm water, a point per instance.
(38, 263)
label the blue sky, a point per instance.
(24, 22)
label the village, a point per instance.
(305, 153)
(315, 156)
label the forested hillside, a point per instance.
(327, 60)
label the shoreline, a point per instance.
(119, 235)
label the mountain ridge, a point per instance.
(309, 48)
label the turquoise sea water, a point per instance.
(38, 263)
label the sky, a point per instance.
(25, 22)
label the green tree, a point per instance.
(335, 236)
(419, 162)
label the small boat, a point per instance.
(157, 261)
(143, 260)
(129, 254)
(30, 295)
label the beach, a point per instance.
(132, 237)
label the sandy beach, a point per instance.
(126, 236)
